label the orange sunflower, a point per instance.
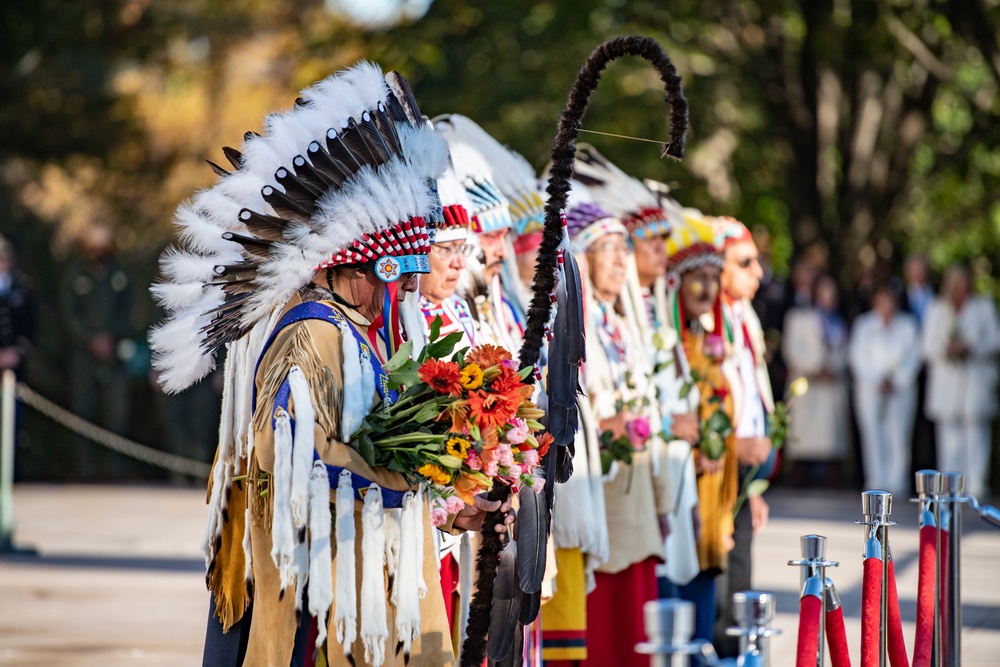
(487, 355)
(490, 410)
(444, 377)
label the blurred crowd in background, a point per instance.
(865, 170)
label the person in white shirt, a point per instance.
(884, 359)
(961, 338)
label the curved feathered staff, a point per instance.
(565, 381)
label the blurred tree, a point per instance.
(868, 128)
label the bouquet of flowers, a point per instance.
(459, 425)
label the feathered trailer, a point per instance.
(508, 587)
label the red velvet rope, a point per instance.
(923, 641)
(945, 589)
(836, 638)
(871, 609)
(897, 646)
(810, 609)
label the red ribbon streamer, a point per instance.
(871, 609)
(836, 638)
(923, 641)
(897, 645)
(810, 609)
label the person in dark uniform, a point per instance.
(17, 313)
(96, 302)
(17, 321)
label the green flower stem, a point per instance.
(387, 443)
(745, 489)
(411, 410)
(395, 407)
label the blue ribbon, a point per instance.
(315, 310)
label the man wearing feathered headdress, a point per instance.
(649, 219)
(752, 403)
(637, 498)
(297, 261)
(695, 311)
(490, 290)
(449, 250)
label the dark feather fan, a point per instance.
(506, 608)
(544, 285)
(567, 351)
(532, 534)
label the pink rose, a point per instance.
(510, 363)
(530, 459)
(474, 462)
(514, 471)
(439, 516)
(490, 469)
(539, 484)
(506, 454)
(454, 504)
(714, 346)
(519, 433)
(638, 430)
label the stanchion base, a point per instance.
(8, 548)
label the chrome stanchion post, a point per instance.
(928, 485)
(953, 492)
(753, 611)
(814, 564)
(877, 508)
(7, 388)
(669, 626)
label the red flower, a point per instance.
(508, 382)
(486, 356)
(721, 392)
(544, 442)
(444, 377)
(490, 410)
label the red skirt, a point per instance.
(614, 615)
(449, 588)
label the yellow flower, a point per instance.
(436, 474)
(798, 387)
(457, 447)
(472, 377)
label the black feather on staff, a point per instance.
(540, 309)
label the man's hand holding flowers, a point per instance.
(459, 426)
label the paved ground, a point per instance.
(118, 577)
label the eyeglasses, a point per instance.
(449, 251)
(609, 248)
(746, 263)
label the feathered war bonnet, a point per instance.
(691, 245)
(623, 196)
(729, 232)
(343, 178)
(586, 222)
(451, 221)
(490, 208)
(514, 176)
